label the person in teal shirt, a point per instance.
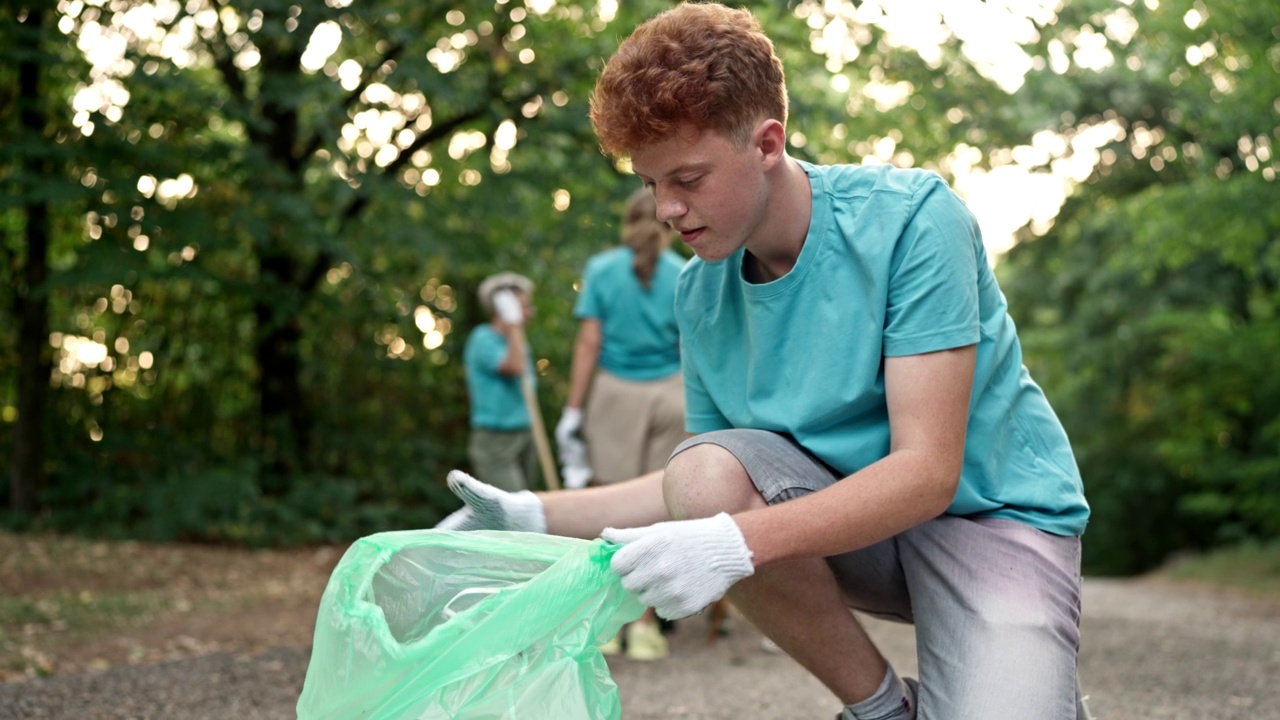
(866, 435)
(501, 446)
(626, 356)
(626, 369)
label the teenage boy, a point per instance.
(866, 435)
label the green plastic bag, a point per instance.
(431, 624)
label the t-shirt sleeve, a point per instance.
(589, 303)
(700, 413)
(490, 351)
(933, 281)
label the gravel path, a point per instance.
(1149, 651)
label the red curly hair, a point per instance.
(702, 65)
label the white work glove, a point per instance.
(507, 306)
(576, 477)
(489, 508)
(573, 452)
(573, 464)
(568, 427)
(680, 567)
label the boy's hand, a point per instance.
(678, 568)
(489, 508)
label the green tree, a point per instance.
(274, 141)
(1150, 308)
(33, 187)
(259, 297)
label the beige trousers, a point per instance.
(632, 427)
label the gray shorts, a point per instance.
(995, 603)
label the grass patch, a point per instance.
(78, 612)
(28, 624)
(1252, 568)
(70, 604)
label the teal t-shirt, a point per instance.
(893, 264)
(496, 400)
(640, 338)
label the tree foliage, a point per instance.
(260, 237)
(274, 216)
(266, 221)
(31, 231)
(1150, 309)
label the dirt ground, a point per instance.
(68, 605)
(122, 631)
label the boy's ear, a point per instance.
(771, 139)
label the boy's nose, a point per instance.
(670, 208)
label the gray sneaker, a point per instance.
(913, 692)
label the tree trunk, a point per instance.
(286, 421)
(31, 306)
(286, 424)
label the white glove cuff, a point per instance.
(728, 551)
(525, 512)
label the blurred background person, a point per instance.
(626, 369)
(501, 446)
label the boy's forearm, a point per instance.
(585, 513)
(886, 498)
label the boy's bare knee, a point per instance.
(707, 479)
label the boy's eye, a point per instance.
(689, 182)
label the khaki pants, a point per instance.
(504, 458)
(632, 427)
